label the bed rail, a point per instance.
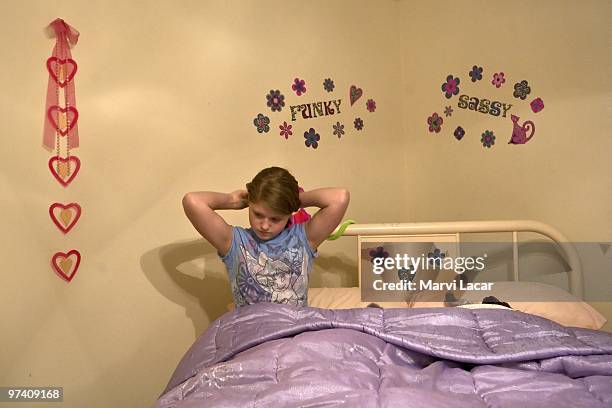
(567, 249)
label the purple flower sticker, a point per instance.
(299, 86)
(521, 90)
(537, 105)
(448, 111)
(379, 252)
(276, 100)
(459, 133)
(435, 123)
(487, 139)
(262, 123)
(312, 138)
(338, 129)
(358, 123)
(371, 105)
(451, 86)
(498, 79)
(285, 130)
(328, 85)
(476, 73)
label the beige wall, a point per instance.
(167, 92)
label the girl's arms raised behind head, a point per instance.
(333, 203)
(200, 209)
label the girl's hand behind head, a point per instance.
(239, 199)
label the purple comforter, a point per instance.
(270, 355)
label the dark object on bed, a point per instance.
(492, 300)
(270, 355)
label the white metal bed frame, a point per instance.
(567, 250)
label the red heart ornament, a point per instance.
(59, 169)
(65, 216)
(66, 264)
(65, 68)
(354, 94)
(62, 128)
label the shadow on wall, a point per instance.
(204, 298)
(191, 275)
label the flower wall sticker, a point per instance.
(285, 130)
(435, 123)
(448, 111)
(358, 123)
(521, 90)
(498, 79)
(338, 129)
(459, 133)
(262, 123)
(379, 252)
(371, 105)
(328, 85)
(537, 105)
(312, 138)
(487, 139)
(276, 100)
(299, 86)
(476, 73)
(451, 86)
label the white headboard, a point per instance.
(567, 250)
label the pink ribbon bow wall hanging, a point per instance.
(61, 133)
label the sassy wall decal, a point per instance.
(491, 106)
(66, 264)
(483, 105)
(65, 217)
(519, 132)
(354, 94)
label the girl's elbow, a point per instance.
(344, 196)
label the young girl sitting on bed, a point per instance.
(270, 261)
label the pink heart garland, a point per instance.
(62, 261)
(354, 94)
(52, 67)
(72, 121)
(61, 225)
(64, 180)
